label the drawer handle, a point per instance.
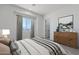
(70, 39)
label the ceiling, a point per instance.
(43, 9)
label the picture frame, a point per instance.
(65, 23)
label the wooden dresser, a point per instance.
(66, 38)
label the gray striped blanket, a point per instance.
(38, 46)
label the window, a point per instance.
(26, 24)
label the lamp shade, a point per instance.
(5, 31)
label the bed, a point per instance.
(4, 49)
(37, 46)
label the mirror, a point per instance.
(65, 24)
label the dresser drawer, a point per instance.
(66, 38)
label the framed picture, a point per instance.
(65, 23)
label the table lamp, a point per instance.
(5, 32)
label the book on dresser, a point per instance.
(66, 38)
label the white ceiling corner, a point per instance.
(43, 9)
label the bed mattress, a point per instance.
(37, 46)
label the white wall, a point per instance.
(8, 19)
(41, 27)
(67, 10)
(26, 34)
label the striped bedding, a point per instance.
(38, 46)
